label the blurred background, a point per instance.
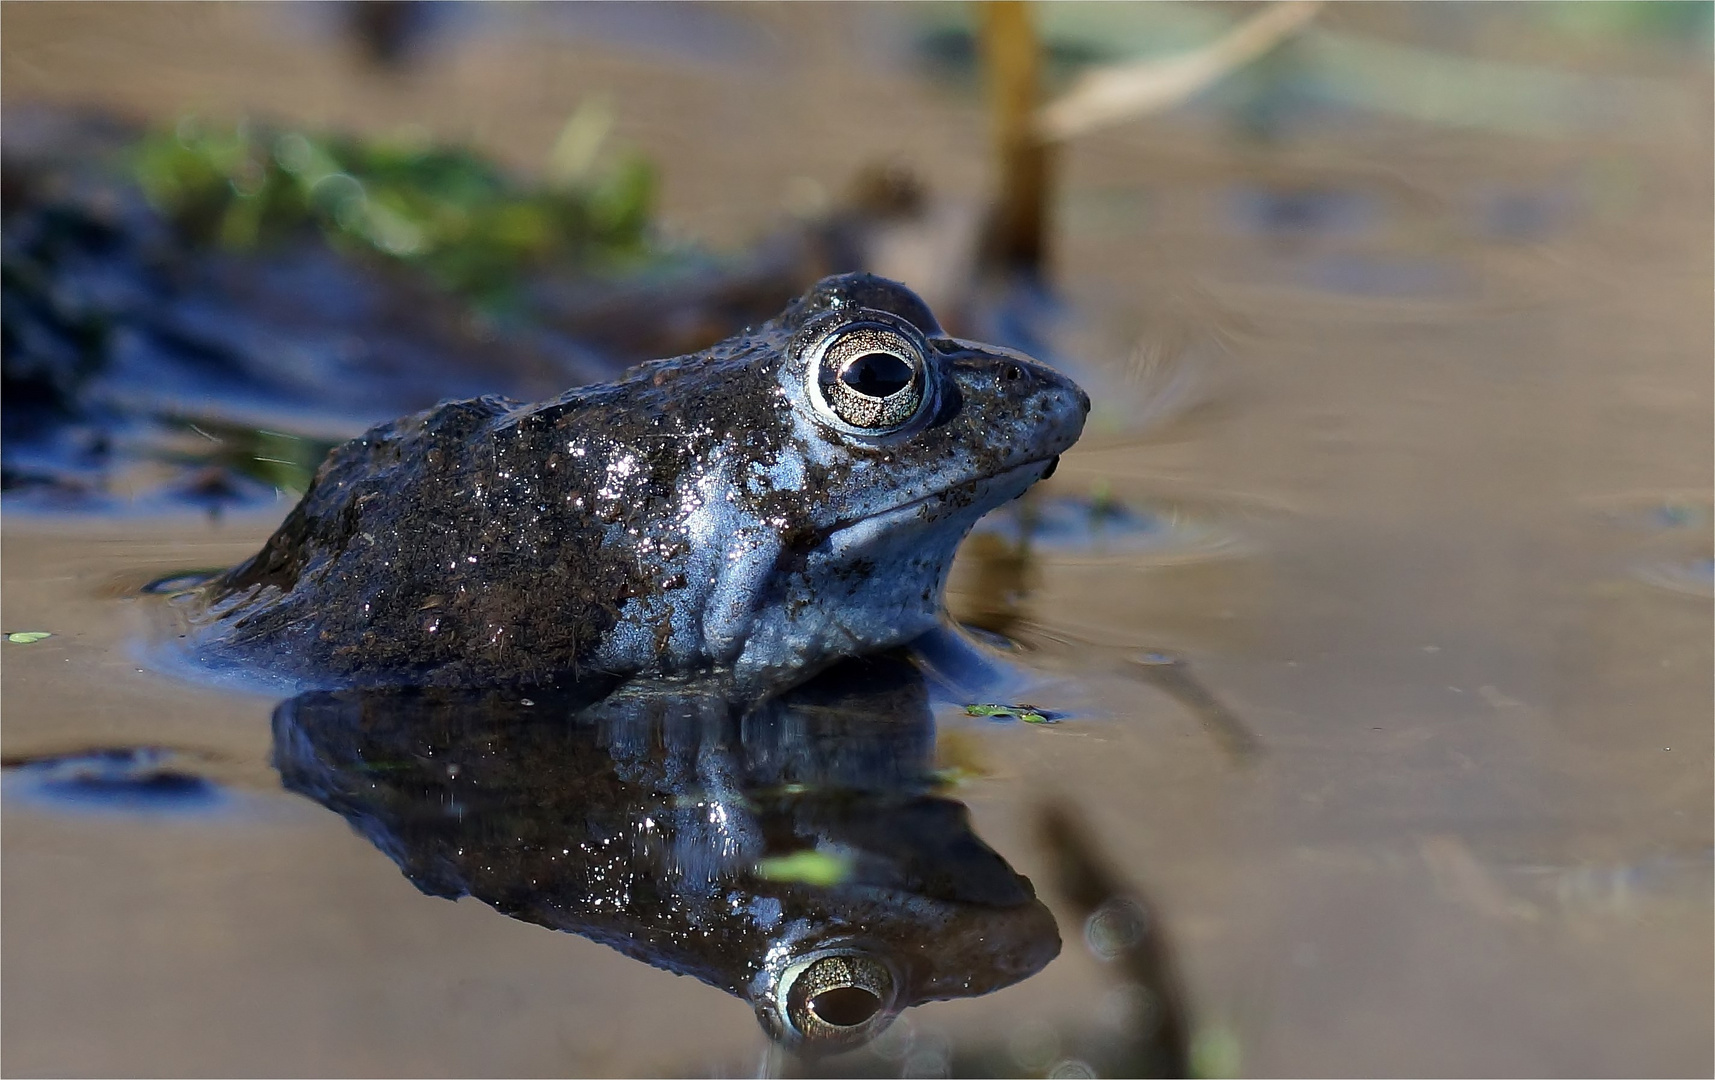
(1398, 319)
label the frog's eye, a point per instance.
(872, 378)
(839, 1000)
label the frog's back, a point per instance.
(418, 556)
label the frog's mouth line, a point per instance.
(858, 530)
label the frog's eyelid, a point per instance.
(955, 346)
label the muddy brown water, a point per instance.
(1430, 492)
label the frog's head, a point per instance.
(901, 438)
(914, 429)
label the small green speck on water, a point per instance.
(1215, 1052)
(27, 637)
(819, 868)
(1102, 502)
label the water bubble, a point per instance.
(293, 152)
(341, 195)
(895, 1042)
(931, 1056)
(1115, 927)
(1034, 1046)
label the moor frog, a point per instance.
(758, 510)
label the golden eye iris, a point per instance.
(833, 1000)
(872, 378)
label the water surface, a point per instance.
(1405, 473)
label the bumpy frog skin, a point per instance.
(788, 497)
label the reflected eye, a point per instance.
(837, 1000)
(872, 377)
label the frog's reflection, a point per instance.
(663, 823)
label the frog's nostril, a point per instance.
(1011, 372)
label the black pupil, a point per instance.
(845, 1006)
(877, 374)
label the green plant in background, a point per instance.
(1689, 22)
(443, 210)
(276, 458)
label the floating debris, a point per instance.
(27, 637)
(1030, 714)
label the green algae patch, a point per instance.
(820, 868)
(1030, 714)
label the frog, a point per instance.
(754, 512)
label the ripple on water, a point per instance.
(1275, 211)
(1660, 514)
(1100, 526)
(1670, 525)
(1385, 277)
(182, 582)
(1694, 577)
(146, 780)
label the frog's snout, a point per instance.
(1062, 400)
(1062, 386)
